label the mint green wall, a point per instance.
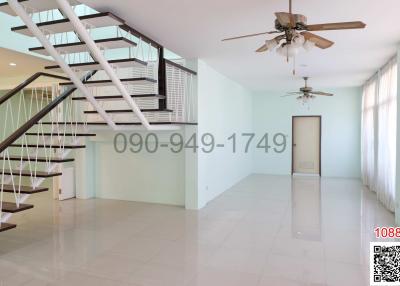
(341, 125)
(155, 178)
(225, 107)
(11, 40)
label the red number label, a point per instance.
(387, 232)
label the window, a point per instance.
(378, 136)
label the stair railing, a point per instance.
(44, 105)
(181, 92)
(20, 11)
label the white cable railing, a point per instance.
(35, 155)
(181, 92)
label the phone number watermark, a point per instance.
(206, 143)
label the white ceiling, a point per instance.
(26, 65)
(194, 29)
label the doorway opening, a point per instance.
(306, 145)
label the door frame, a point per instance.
(320, 139)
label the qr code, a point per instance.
(385, 263)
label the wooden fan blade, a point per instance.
(336, 26)
(262, 49)
(286, 19)
(321, 93)
(248, 36)
(319, 41)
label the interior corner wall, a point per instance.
(224, 108)
(397, 208)
(132, 176)
(341, 130)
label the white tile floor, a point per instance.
(266, 230)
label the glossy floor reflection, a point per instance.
(266, 230)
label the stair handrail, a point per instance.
(27, 82)
(40, 115)
(181, 67)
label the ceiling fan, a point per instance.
(295, 33)
(307, 93)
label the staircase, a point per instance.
(108, 75)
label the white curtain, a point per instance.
(367, 134)
(378, 137)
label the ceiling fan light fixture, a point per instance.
(271, 44)
(298, 41)
(288, 50)
(308, 45)
(293, 33)
(280, 51)
(292, 50)
(306, 100)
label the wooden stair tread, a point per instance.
(97, 20)
(118, 97)
(49, 146)
(79, 47)
(61, 134)
(128, 110)
(13, 208)
(120, 63)
(37, 5)
(24, 189)
(40, 159)
(38, 174)
(106, 82)
(6, 226)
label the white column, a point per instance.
(192, 196)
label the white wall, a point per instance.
(341, 121)
(225, 107)
(146, 177)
